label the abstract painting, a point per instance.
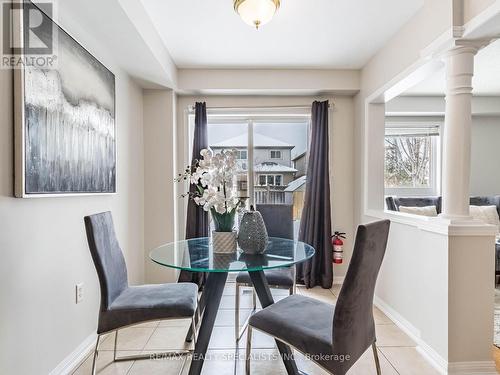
(66, 129)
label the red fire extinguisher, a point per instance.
(338, 247)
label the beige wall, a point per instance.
(474, 7)
(418, 284)
(44, 250)
(159, 176)
(341, 155)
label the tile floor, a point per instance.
(397, 351)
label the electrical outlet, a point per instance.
(79, 292)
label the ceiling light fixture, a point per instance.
(256, 12)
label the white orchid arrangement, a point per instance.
(213, 176)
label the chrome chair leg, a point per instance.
(248, 350)
(152, 355)
(237, 313)
(114, 347)
(193, 327)
(239, 332)
(375, 356)
(94, 367)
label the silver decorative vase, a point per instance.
(224, 242)
(252, 237)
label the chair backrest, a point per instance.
(353, 324)
(278, 219)
(107, 256)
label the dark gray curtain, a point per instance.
(315, 224)
(197, 222)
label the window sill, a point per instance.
(437, 224)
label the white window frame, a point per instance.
(271, 154)
(239, 155)
(434, 187)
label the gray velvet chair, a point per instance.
(329, 333)
(279, 223)
(123, 305)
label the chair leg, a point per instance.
(193, 327)
(237, 313)
(114, 347)
(254, 299)
(248, 350)
(375, 356)
(94, 367)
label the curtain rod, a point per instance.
(330, 105)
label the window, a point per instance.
(266, 174)
(411, 160)
(242, 155)
(271, 180)
(275, 154)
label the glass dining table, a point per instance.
(197, 255)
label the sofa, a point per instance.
(393, 204)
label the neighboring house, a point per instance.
(294, 194)
(273, 169)
(300, 164)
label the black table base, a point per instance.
(210, 301)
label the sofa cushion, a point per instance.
(430, 211)
(418, 202)
(486, 214)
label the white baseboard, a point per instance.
(433, 357)
(472, 368)
(76, 357)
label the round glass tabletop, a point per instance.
(197, 255)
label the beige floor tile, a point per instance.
(366, 365)
(152, 324)
(264, 362)
(228, 302)
(308, 366)
(380, 317)
(324, 295)
(336, 289)
(268, 361)
(230, 289)
(131, 338)
(221, 362)
(391, 335)
(168, 338)
(175, 323)
(225, 318)
(161, 366)
(223, 338)
(408, 361)
(105, 364)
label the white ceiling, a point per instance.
(486, 79)
(341, 34)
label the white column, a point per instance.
(457, 132)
